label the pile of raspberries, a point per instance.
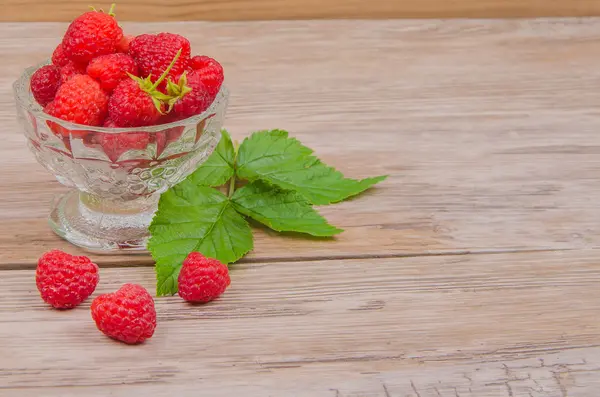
(101, 77)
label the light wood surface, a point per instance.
(480, 324)
(471, 271)
(490, 146)
(215, 10)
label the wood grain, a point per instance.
(476, 325)
(214, 10)
(438, 287)
(488, 130)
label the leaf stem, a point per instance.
(231, 186)
(236, 146)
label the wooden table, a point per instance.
(471, 272)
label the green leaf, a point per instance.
(194, 218)
(281, 210)
(218, 168)
(275, 158)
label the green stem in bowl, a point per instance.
(158, 98)
(167, 70)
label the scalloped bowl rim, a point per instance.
(35, 108)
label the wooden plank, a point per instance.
(487, 129)
(475, 325)
(213, 10)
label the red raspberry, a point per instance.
(131, 106)
(49, 108)
(167, 118)
(61, 131)
(127, 315)
(202, 279)
(114, 145)
(211, 72)
(64, 280)
(44, 83)
(70, 70)
(154, 53)
(90, 35)
(123, 45)
(80, 100)
(167, 136)
(59, 58)
(191, 103)
(137, 102)
(200, 129)
(110, 69)
(108, 123)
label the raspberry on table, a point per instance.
(64, 280)
(110, 69)
(202, 279)
(91, 34)
(127, 315)
(211, 72)
(80, 100)
(44, 84)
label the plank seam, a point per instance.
(275, 259)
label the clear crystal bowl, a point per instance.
(116, 174)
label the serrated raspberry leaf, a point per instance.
(218, 168)
(193, 218)
(281, 210)
(282, 161)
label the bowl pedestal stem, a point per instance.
(99, 224)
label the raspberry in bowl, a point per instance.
(117, 136)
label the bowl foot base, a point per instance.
(99, 225)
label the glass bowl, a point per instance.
(116, 174)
